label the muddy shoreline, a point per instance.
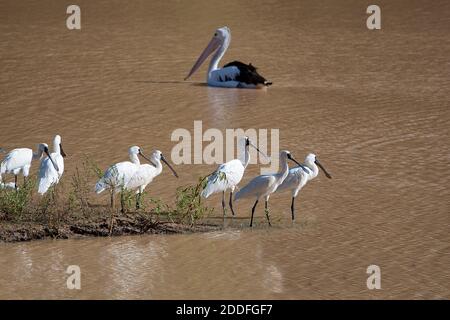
(128, 224)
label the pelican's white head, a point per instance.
(156, 158)
(221, 38)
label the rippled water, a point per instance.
(373, 105)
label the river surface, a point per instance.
(373, 106)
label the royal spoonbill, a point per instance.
(234, 74)
(265, 185)
(228, 175)
(20, 159)
(117, 177)
(146, 173)
(299, 176)
(52, 167)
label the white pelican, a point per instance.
(299, 176)
(119, 175)
(146, 173)
(265, 185)
(52, 167)
(228, 175)
(234, 74)
(20, 160)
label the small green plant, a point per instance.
(14, 203)
(188, 205)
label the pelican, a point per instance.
(146, 173)
(20, 159)
(117, 177)
(52, 167)
(265, 185)
(299, 176)
(234, 74)
(228, 175)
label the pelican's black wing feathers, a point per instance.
(248, 73)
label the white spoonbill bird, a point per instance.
(299, 176)
(234, 74)
(265, 185)
(146, 173)
(20, 160)
(52, 167)
(118, 176)
(228, 175)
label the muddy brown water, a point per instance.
(373, 105)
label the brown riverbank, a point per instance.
(99, 225)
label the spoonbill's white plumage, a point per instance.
(52, 167)
(298, 177)
(228, 175)
(19, 160)
(8, 185)
(145, 174)
(234, 74)
(265, 185)
(118, 176)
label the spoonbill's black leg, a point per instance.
(231, 203)
(223, 204)
(267, 212)
(15, 182)
(253, 212)
(292, 208)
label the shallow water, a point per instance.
(373, 105)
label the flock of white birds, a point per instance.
(134, 176)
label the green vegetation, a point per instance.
(76, 205)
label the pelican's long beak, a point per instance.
(212, 46)
(262, 153)
(170, 167)
(51, 160)
(62, 151)
(321, 167)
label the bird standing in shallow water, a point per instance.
(265, 185)
(299, 176)
(228, 175)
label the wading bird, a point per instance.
(228, 175)
(234, 74)
(299, 176)
(52, 167)
(117, 177)
(265, 185)
(146, 173)
(20, 160)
